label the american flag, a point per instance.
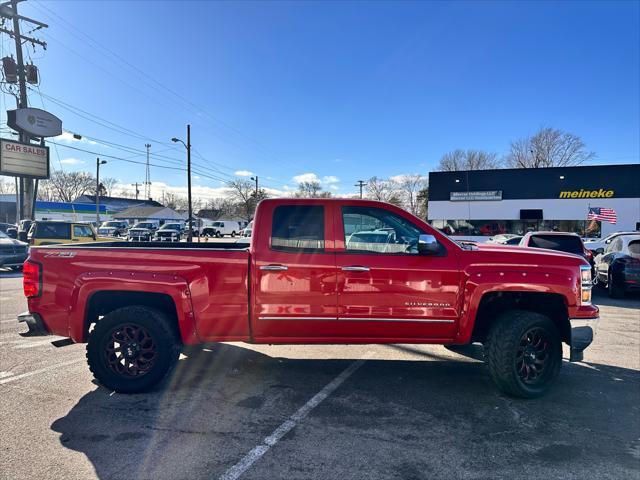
(604, 214)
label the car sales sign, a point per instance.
(23, 160)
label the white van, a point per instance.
(221, 228)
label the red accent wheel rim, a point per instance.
(130, 350)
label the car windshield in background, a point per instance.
(562, 243)
(53, 230)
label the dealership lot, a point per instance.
(254, 412)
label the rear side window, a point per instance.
(298, 228)
(562, 243)
(53, 230)
(634, 248)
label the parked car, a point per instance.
(13, 252)
(113, 228)
(618, 268)
(170, 232)
(142, 232)
(5, 226)
(246, 232)
(560, 241)
(506, 239)
(599, 245)
(299, 282)
(221, 228)
(53, 232)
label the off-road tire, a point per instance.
(502, 346)
(165, 339)
(615, 291)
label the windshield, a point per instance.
(143, 225)
(111, 224)
(562, 243)
(170, 226)
(3, 235)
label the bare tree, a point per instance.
(67, 186)
(549, 147)
(243, 193)
(7, 186)
(109, 184)
(468, 160)
(384, 190)
(311, 190)
(410, 185)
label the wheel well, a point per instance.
(493, 304)
(101, 303)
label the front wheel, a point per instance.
(233, 234)
(524, 353)
(132, 349)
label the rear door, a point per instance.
(294, 271)
(385, 288)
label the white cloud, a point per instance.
(71, 161)
(243, 173)
(312, 177)
(334, 187)
(306, 177)
(329, 179)
(67, 137)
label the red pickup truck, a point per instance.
(316, 271)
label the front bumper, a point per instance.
(37, 328)
(583, 331)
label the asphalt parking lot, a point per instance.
(319, 412)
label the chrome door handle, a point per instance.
(274, 268)
(355, 268)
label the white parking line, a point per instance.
(256, 453)
(36, 372)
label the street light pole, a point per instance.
(256, 180)
(188, 147)
(98, 163)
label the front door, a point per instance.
(385, 288)
(294, 273)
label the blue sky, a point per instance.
(338, 90)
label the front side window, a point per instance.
(82, 231)
(298, 228)
(615, 245)
(376, 230)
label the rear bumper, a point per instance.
(36, 326)
(583, 332)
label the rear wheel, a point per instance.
(233, 234)
(615, 291)
(218, 235)
(132, 349)
(524, 353)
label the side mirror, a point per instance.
(599, 251)
(428, 245)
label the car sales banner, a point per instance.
(23, 160)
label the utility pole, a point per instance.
(137, 191)
(147, 180)
(26, 192)
(360, 184)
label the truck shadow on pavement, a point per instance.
(429, 418)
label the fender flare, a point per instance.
(90, 283)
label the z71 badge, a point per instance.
(60, 254)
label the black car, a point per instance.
(13, 253)
(618, 268)
(169, 232)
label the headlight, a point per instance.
(585, 284)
